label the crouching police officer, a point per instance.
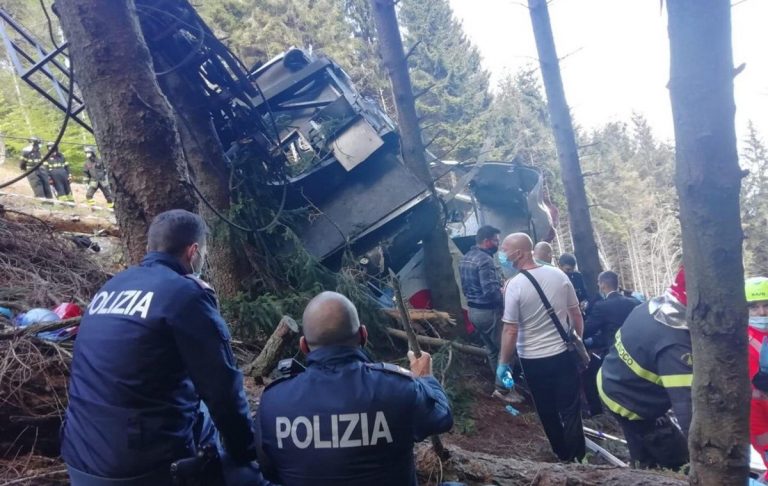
(345, 420)
(151, 346)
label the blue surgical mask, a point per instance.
(504, 261)
(759, 322)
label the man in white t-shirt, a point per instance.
(549, 369)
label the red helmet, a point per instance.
(677, 289)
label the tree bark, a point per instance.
(208, 167)
(133, 123)
(437, 257)
(579, 218)
(480, 468)
(708, 182)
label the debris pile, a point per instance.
(33, 394)
(39, 267)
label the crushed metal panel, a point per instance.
(358, 142)
(349, 204)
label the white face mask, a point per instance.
(197, 268)
(759, 322)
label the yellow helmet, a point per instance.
(756, 289)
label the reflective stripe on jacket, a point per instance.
(648, 370)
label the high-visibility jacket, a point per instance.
(648, 370)
(758, 415)
(57, 161)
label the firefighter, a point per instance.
(647, 371)
(96, 177)
(38, 179)
(756, 290)
(58, 170)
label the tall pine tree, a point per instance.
(449, 81)
(754, 204)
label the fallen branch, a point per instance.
(40, 327)
(430, 315)
(480, 468)
(437, 342)
(70, 223)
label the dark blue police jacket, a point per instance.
(151, 345)
(346, 421)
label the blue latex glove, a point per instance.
(589, 342)
(763, 361)
(512, 410)
(504, 375)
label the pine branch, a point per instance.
(424, 91)
(412, 49)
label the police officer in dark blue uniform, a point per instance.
(151, 346)
(345, 420)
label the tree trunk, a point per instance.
(133, 122)
(208, 167)
(437, 257)
(480, 468)
(567, 152)
(708, 182)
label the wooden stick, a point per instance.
(437, 342)
(41, 327)
(405, 316)
(413, 344)
(423, 315)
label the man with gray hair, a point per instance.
(542, 253)
(346, 420)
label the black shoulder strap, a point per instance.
(547, 306)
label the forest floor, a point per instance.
(488, 444)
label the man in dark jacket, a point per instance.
(607, 315)
(151, 353)
(58, 170)
(346, 420)
(567, 264)
(603, 320)
(38, 178)
(96, 177)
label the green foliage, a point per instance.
(634, 204)
(23, 111)
(258, 30)
(288, 275)
(518, 128)
(448, 78)
(754, 204)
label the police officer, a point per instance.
(345, 420)
(58, 170)
(96, 177)
(38, 179)
(648, 371)
(152, 352)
